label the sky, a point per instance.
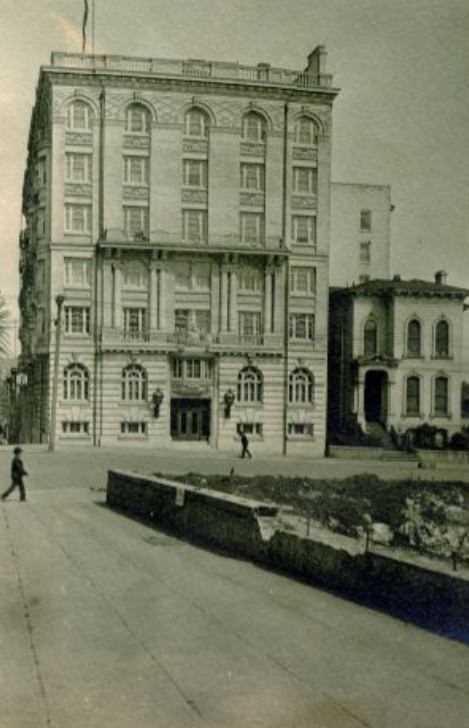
(401, 118)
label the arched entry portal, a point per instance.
(376, 389)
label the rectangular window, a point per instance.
(305, 180)
(78, 167)
(195, 173)
(202, 321)
(441, 396)
(304, 229)
(40, 274)
(365, 221)
(136, 170)
(134, 278)
(413, 396)
(301, 429)
(77, 218)
(194, 226)
(301, 326)
(77, 319)
(251, 428)
(193, 368)
(365, 252)
(181, 320)
(252, 177)
(201, 277)
(250, 279)
(177, 368)
(135, 322)
(136, 223)
(303, 280)
(249, 324)
(134, 428)
(41, 172)
(75, 428)
(252, 227)
(77, 272)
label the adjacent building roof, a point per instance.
(398, 287)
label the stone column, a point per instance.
(224, 301)
(153, 298)
(360, 402)
(162, 292)
(278, 302)
(268, 301)
(233, 319)
(117, 297)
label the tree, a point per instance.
(4, 320)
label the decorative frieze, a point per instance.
(78, 190)
(75, 139)
(252, 150)
(195, 145)
(306, 202)
(305, 153)
(136, 193)
(252, 199)
(136, 142)
(199, 196)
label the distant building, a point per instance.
(183, 210)
(396, 356)
(360, 233)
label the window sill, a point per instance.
(258, 405)
(413, 356)
(446, 416)
(73, 436)
(443, 357)
(414, 415)
(74, 403)
(300, 438)
(142, 438)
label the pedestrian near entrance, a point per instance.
(17, 473)
(245, 445)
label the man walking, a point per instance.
(245, 445)
(17, 473)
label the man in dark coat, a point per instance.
(245, 445)
(17, 473)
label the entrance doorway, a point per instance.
(376, 387)
(190, 419)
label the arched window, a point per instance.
(414, 338)
(370, 338)
(442, 338)
(306, 131)
(250, 385)
(254, 127)
(413, 396)
(134, 383)
(196, 123)
(137, 119)
(79, 115)
(301, 387)
(441, 396)
(76, 383)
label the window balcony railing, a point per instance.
(229, 241)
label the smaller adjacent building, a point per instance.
(396, 356)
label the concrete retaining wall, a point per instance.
(428, 596)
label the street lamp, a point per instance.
(228, 400)
(55, 384)
(157, 399)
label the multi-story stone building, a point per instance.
(181, 208)
(360, 246)
(396, 356)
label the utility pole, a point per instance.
(55, 384)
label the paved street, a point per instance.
(107, 622)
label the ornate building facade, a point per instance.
(177, 227)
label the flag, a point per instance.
(85, 20)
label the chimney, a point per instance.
(396, 277)
(440, 277)
(317, 61)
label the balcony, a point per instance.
(121, 339)
(230, 242)
(262, 74)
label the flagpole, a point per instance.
(92, 26)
